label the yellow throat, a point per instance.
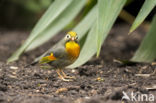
(73, 49)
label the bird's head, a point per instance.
(71, 36)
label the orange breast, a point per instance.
(73, 49)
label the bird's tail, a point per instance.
(31, 64)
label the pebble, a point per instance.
(73, 70)
(37, 90)
(13, 67)
(87, 97)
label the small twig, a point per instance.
(151, 88)
(143, 75)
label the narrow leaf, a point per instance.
(108, 11)
(90, 45)
(143, 13)
(51, 14)
(87, 22)
(62, 20)
(147, 50)
(54, 10)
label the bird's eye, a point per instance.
(76, 37)
(67, 36)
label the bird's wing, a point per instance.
(47, 59)
(53, 54)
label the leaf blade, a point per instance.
(143, 13)
(82, 28)
(108, 11)
(58, 24)
(90, 45)
(147, 50)
(60, 6)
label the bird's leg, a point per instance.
(60, 76)
(65, 76)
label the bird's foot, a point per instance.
(62, 77)
(68, 77)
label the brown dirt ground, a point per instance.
(98, 81)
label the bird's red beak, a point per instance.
(72, 38)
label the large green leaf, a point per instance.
(87, 22)
(143, 13)
(108, 11)
(51, 14)
(147, 49)
(62, 20)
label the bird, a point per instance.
(62, 55)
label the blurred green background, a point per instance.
(22, 14)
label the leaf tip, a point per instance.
(130, 31)
(98, 52)
(11, 59)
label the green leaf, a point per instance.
(51, 14)
(147, 50)
(90, 46)
(108, 11)
(62, 20)
(87, 22)
(143, 13)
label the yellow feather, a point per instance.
(72, 33)
(73, 49)
(47, 59)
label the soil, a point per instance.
(98, 81)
